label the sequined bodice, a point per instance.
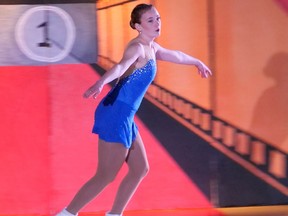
(132, 88)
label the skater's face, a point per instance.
(150, 23)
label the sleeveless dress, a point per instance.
(114, 116)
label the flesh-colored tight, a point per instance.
(111, 157)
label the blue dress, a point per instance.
(114, 116)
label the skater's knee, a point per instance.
(144, 171)
(141, 171)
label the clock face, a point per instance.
(45, 33)
(42, 34)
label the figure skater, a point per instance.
(119, 139)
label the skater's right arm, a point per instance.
(131, 54)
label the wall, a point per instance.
(248, 55)
(245, 45)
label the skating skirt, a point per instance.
(115, 123)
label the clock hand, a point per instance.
(71, 54)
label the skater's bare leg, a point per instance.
(111, 157)
(138, 168)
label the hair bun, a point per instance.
(132, 25)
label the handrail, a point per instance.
(266, 158)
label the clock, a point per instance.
(45, 33)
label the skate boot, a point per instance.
(64, 212)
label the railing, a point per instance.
(270, 163)
(262, 155)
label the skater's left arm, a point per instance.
(179, 57)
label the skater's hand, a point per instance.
(203, 70)
(93, 91)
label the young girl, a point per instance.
(119, 139)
